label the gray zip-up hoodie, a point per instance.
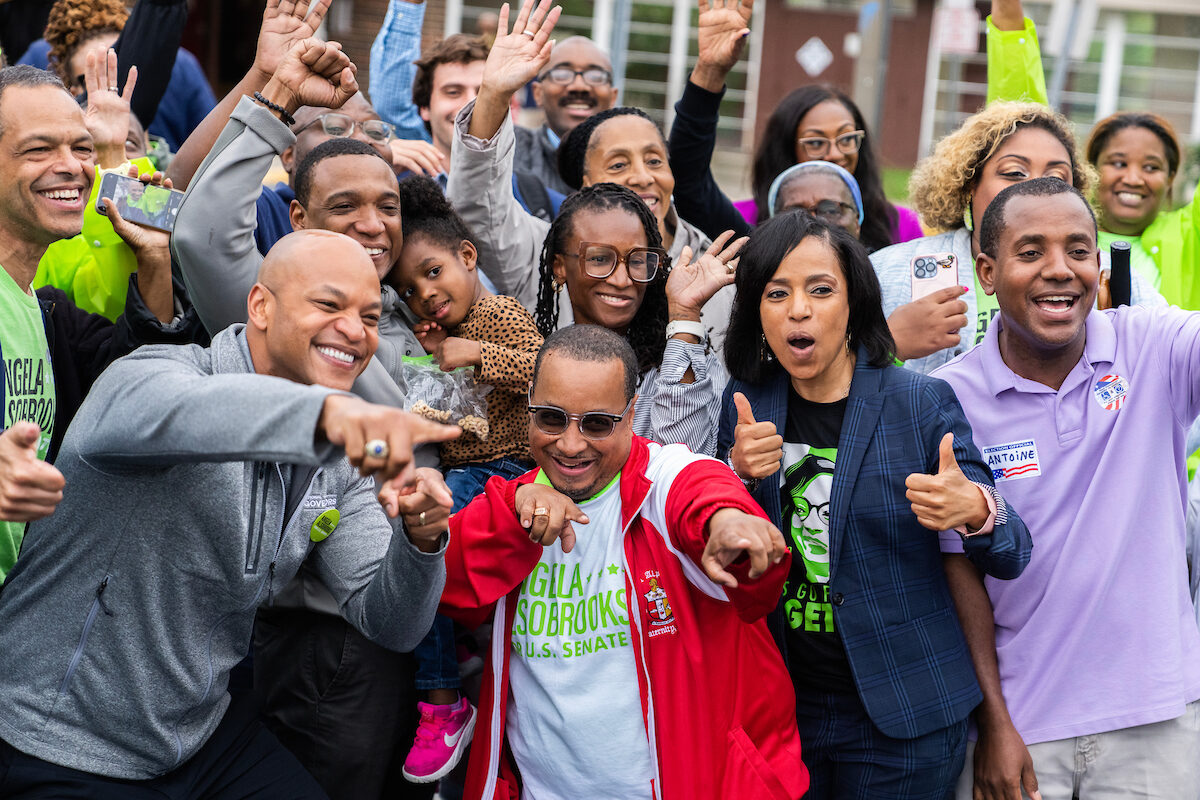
(128, 607)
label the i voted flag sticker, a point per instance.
(1013, 460)
(1110, 392)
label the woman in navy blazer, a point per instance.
(861, 464)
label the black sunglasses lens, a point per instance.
(596, 426)
(550, 420)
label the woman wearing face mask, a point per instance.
(620, 145)
(1004, 144)
(846, 453)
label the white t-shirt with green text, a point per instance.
(574, 711)
(27, 391)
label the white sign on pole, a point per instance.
(957, 29)
(814, 56)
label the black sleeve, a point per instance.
(698, 199)
(150, 41)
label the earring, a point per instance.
(557, 287)
(765, 352)
(849, 352)
(968, 221)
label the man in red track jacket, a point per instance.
(632, 662)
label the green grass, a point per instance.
(895, 184)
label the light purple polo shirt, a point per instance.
(1099, 632)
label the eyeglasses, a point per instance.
(594, 425)
(821, 510)
(592, 76)
(338, 125)
(818, 146)
(600, 261)
(832, 211)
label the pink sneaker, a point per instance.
(442, 736)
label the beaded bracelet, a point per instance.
(287, 118)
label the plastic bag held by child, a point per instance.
(452, 397)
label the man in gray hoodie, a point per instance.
(198, 480)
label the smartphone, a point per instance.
(151, 206)
(932, 272)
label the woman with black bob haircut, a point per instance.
(861, 464)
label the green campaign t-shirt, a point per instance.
(815, 655)
(986, 307)
(27, 391)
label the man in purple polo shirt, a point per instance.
(1091, 671)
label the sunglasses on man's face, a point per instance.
(594, 425)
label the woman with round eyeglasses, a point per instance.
(619, 145)
(861, 465)
(603, 264)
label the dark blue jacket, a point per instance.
(887, 584)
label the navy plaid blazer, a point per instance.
(891, 603)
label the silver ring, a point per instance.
(421, 518)
(376, 448)
(114, 88)
(529, 32)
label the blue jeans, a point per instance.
(437, 663)
(848, 758)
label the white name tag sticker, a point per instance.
(1014, 460)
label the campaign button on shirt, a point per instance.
(1110, 392)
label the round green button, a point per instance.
(324, 524)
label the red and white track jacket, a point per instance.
(717, 700)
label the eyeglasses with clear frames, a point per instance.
(818, 146)
(594, 425)
(600, 260)
(592, 76)
(338, 125)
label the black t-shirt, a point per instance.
(816, 657)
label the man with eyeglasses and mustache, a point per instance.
(577, 83)
(619, 659)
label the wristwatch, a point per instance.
(687, 326)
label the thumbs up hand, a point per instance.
(946, 500)
(29, 487)
(757, 447)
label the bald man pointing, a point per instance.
(197, 483)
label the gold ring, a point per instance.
(541, 512)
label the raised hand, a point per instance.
(693, 281)
(946, 500)
(517, 56)
(285, 22)
(313, 73)
(107, 112)
(930, 324)
(757, 450)
(547, 514)
(723, 29)
(732, 532)
(29, 487)
(515, 59)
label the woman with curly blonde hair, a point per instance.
(76, 28)
(1003, 144)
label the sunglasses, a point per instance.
(601, 260)
(594, 425)
(337, 125)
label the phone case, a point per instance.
(933, 272)
(158, 213)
